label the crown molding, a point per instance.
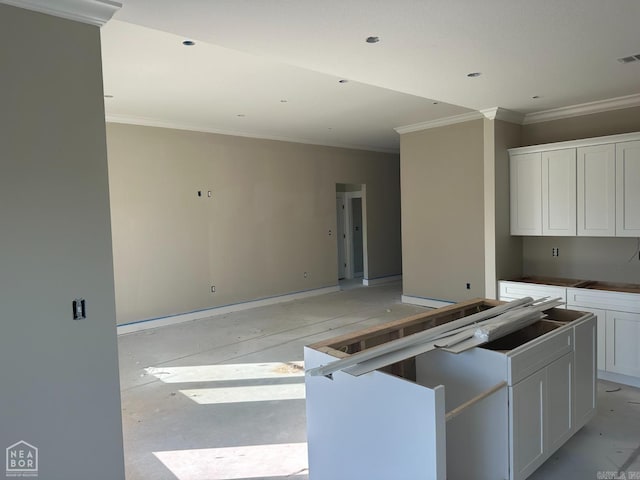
(93, 12)
(499, 113)
(152, 122)
(439, 122)
(583, 109)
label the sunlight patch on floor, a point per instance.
(265, 393)
(241, 371)
(287, 460)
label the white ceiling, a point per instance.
(251, 54)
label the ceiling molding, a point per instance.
(499, 113)
(440, 122)
(583, 109)
(152, 122)
(93, 12)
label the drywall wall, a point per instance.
(271, 217)
(442, 176)
(604, 259)
(59, 377)
(503, 253)
(508, 249)
(624, 120)
(593, 258)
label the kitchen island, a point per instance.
(492, 412)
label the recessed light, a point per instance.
(108, 96)
(344, 80)
(373, 39)
(188, 43)
(474, 74)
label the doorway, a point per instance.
(351, 231)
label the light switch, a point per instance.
(79, 309)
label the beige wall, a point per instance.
(625, 120)
(589, 258)
(606, 259)
(267, 222)
(60, 389)
(508, 248)
(442, 176)
(503, 253)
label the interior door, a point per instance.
(356, 211)
(340, 236)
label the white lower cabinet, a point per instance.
(585, 369)
(618, 316)
(409, 420)
(527, 424)
(543, 416)
(513, 290)
(601, 333)
(560, 401)
(617, 334)
(623, 351)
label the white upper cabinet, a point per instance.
(596, 191)
(559, 192)
(588, 187)
(628, 189)
(526, 195)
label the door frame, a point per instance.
(348, 230)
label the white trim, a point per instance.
(439, 122)
(583, 109)
(584, 142)
(93, 12)
(152, 122)
(367, 282)
(425, 302)
(499, 113)
(236, 307)
(618, 378)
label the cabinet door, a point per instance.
(601, 344)
(584, 378)
(559, 414)
(526, 194)
(527, 424)
(596, 191)
(559, 192)
(628, 189)
(623, 343)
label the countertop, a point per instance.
(576, 283)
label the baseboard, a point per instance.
(224, 309)
(619, 378)
(425, 302)
(367, 282)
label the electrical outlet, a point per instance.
(555, 252)
(213, 289)
(468, 286)
(306, 274)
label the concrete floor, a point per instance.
(220, 399)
